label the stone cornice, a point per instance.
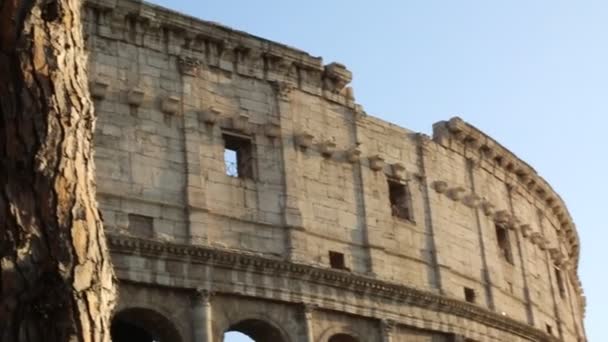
(354, 282)
(460, 136)
(198, 43)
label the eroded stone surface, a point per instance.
(315, 180)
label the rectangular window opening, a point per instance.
(336, 260)
(469, 295)
(560, 282)
(400, 200)
(141, 225)
(238, 156)
(502, 238)
(549, 329)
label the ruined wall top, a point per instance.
(465, 138)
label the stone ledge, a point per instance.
(361, 284)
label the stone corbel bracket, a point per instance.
(487, 207)
(353, 155)
(526, 230)
(275, 63)
(170, 105)
(304, 139)
(336, 77)
(376, 162)
(189, 65)
(456, 193)
(210, 116)
(472, 200)
(135, 97)
(240, 122)
(99, 88)
(327, 148)
(502, 217)
(398, 171)
(440, 186)
(272, 130)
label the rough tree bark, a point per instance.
(56, 280)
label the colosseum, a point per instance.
(244, 189)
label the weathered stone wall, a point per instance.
(169, 89)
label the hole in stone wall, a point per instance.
(504, 246)
(549, 329)
(142, 325)
(336, 260)
(238, 156)
(469, 295)
(342, 338)
(141, 225)
(400, 199)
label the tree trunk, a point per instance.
(56, 279)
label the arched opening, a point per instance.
(253, 330)
(142, 325)
(235, 336)
(342, 338)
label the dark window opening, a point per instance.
(141, 225)
(342, 338)
(238, 156)
(560, 282)
(502, 238)
(400, 200)
(336, 260)
(142, 325)
(549, 329)
(127, 332)
(469, 295)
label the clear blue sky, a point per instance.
(532, 74)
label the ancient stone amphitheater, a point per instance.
(243, 189)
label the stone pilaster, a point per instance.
(194, 196)
(308, 318)
(201, 316)
(387, 328)
(423, 149)
(481, 233)
(523, 257)
(292, 214)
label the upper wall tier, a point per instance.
(466, 139)
(196, 41)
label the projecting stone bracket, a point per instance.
(135, 97)
(240, 122)
(210, 116)
(170, 105)
(471, 200)
(189, 66)
(353, 155)
(272, 130)
(99, 89)
(398, 171)
(304, 139)
(336, 77)
(327, 148)
(440, 186)
(376, 162)
(456, 193)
